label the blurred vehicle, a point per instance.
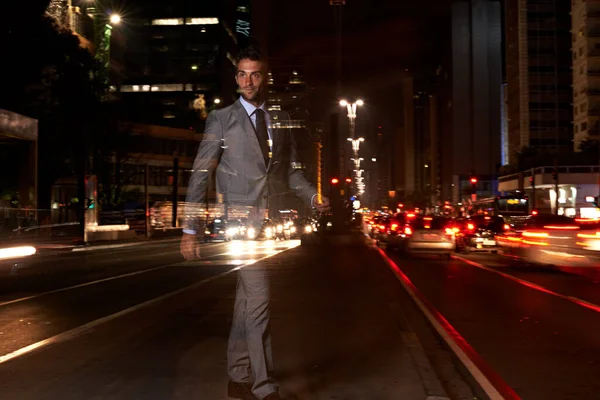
(478, 232)
(283, 229)
(236, 229)
(425, 235)
(217, 230)
(512, 207)
(267, 230)
(553, 240)
(390, 227)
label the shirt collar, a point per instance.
(251, 108)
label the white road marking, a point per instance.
(532, 285)
(72, 333)
(477, 374)
(122, 245)
(95, 282)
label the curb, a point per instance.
(429, 379)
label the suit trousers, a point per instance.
(249, 354)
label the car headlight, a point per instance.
(251, 233)
(308, 229)
(268, 232)
(221, 232)
(293, 229)
(207, 232)
(279, 228)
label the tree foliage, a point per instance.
(50, 77)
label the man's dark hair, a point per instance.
(250, 53)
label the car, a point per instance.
(216, 230)
(426, 235)
(478, 232)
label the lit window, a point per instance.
(202, 21)
(168, 21)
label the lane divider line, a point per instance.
(127, 275)
(489, 380)
(123, 245)
(531, 285)
(80, 330)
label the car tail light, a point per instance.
(394, 227)
(408, 231)
(450, 231)
(456, 230)
(535, 234)
(471, 227)
(411, 215)
(381, 226)
(565, 227)
(506, 227)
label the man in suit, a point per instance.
(253, 158)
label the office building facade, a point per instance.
(538, 76)
(585, 39)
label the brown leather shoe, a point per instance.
(273, 396)
(240, 390)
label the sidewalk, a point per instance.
(337, 329)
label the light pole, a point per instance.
(352, 108)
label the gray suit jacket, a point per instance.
(230, 146)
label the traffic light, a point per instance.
(473, 180)
(348, 180)
(335, 181)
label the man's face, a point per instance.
(251, 79)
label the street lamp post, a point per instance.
(351, 108)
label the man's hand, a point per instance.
(190, 248)
(324, 206)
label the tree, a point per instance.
(51, 78)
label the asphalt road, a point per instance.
(536, 328)
(138, 323)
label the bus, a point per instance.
(510, 207)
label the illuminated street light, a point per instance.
(374, 159)
(217, 100)
(343, 103)
(115, 19)
(360, 103)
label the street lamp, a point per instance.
(356, 144)
(217, 100)
(115, 19)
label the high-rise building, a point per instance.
(289, 92)
(538, 77)
(585, 33)
(476, 79)
(180, 62)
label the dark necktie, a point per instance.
(261, 133)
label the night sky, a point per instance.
(381, 39)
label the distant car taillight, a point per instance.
(408, 231)
(394, 227)
(382, 227)
(506, 227)
(449, 231)
(471, 227)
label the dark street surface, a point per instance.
(138, 323)
(160, 330)
(543, 345)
